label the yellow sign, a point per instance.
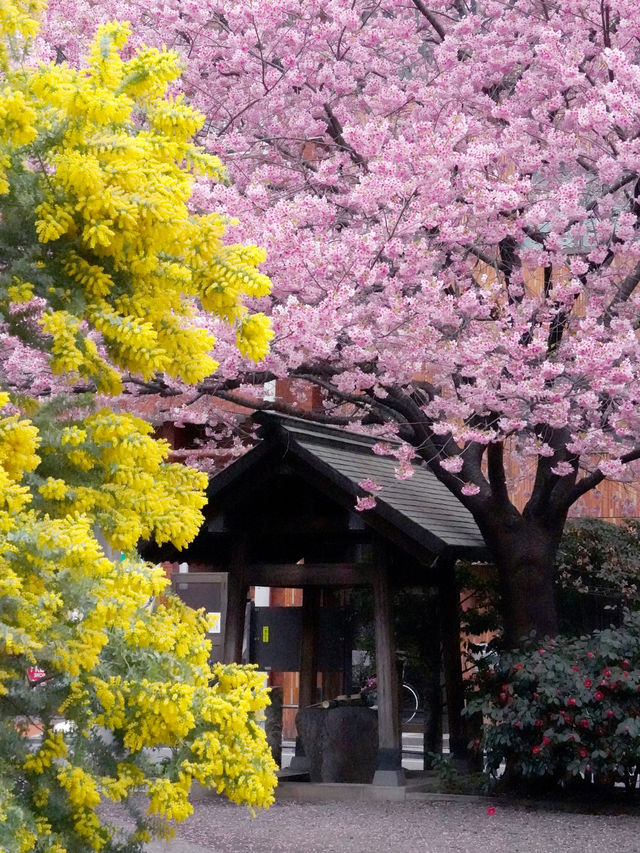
(265, 633)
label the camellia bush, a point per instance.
(566, 712)
(104, 268)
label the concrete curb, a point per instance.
(175, 847)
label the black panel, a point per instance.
(277, 638)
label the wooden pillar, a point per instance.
(309, 650)
(336, 682)
(432, 698)
(389, 768)
(308, 664)
(450, 632)
(237, 589)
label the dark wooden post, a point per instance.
(309, 650)
(432, 698)
(237, 589)
(308, 663)
(335, 682)
(389, 768)
(450, 632)
(273, 723)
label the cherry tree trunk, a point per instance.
(524, 551)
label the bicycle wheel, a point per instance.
(410, 703)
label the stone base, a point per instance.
(341, 743)
(299, 763)
(389, 778)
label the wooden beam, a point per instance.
(310, 574)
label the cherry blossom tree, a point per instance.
(448, 193)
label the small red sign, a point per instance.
(35, 674)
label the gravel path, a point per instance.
(413, 827)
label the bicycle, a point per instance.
(409, 702)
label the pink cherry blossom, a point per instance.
(447, 194)
(365, 503)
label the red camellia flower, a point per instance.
(568, 718)
(599, 696)
(518, 666)
(584, 724)
(625, 664)
(517, 723)
(587, 682)
(546, 741)
(539, 723)
(589, 654)
(536, 750)
(541, 651)
(503, 698)
(607, 672)
(609, 713)
(574, 668)
(582, 752)
(572, 701)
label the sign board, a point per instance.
(35, 674)
(208, 590)
(277, 638)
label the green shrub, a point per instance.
(567, 710)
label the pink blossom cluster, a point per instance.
(449, 195)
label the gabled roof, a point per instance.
(419, 513)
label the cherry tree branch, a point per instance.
(590, 481)
(437, 26)
(254, 404)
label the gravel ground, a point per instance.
(412, 827)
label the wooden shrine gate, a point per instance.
(283, 516)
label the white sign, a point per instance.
(214, 620)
